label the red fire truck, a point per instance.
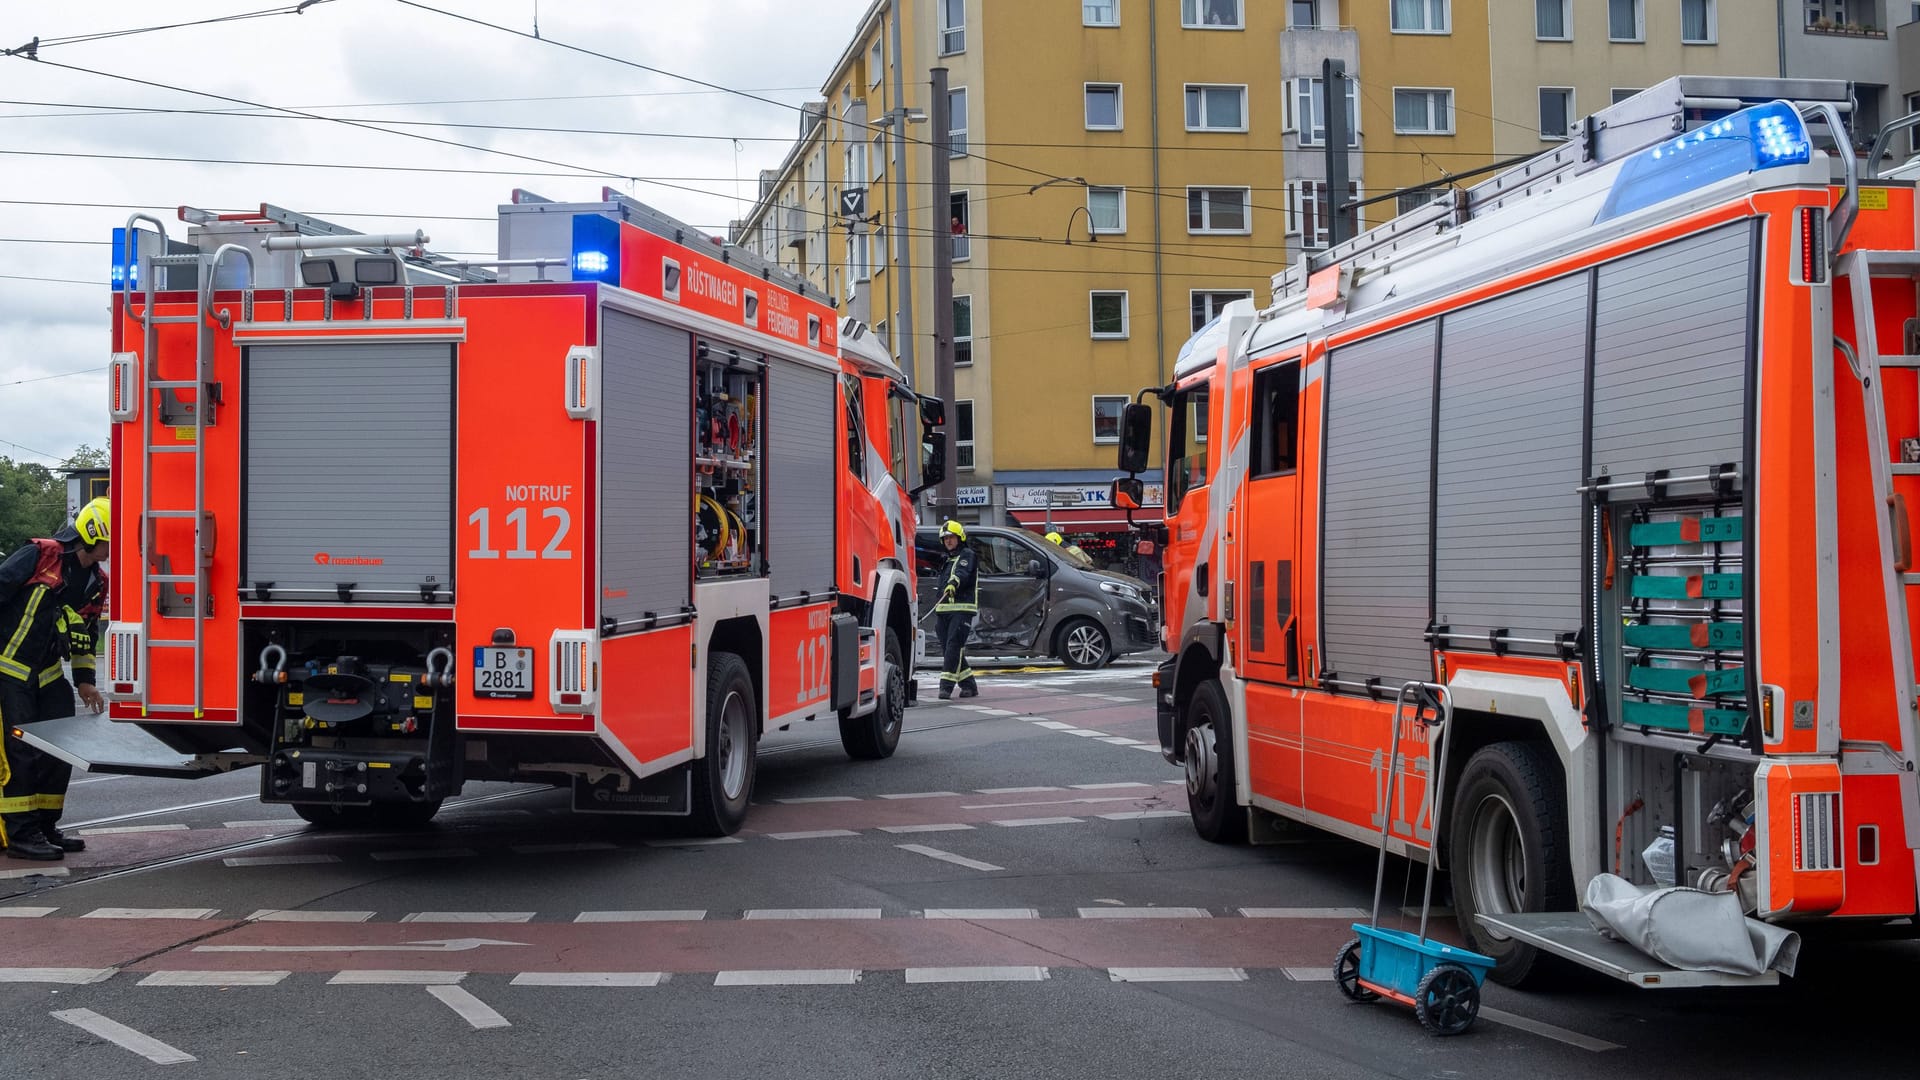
(598, 513)
(1611, 458)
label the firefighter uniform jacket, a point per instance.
(48, 604)
(960, 588)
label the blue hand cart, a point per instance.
(1441, 982)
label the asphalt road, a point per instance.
(1016, 893)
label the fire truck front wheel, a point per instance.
(875, 735)
(1507, 849)
(1217, 814)
(723, 780)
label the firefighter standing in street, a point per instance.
(50, 591)
(953, 615)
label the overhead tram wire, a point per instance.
(81, 39)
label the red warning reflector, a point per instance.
(123, 688)
(569, 699)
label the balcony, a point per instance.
(1832, 29)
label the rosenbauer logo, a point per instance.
(325, 559)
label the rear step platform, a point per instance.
(95, 743)
(1568, 934)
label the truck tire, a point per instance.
(1083, 644)
(1211, 801)
(875, 735)
(723, 779)
(1507, 849)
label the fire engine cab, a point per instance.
(1610, 460)
(597, 513)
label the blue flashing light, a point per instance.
(596, 249)
(125, 272)
(1761, 137)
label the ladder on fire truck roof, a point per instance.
(308, 225)
(1621, 129)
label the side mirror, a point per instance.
(933, 411)
(1126, 493)
(1036, 568)
(933, 463)
(1136, 432)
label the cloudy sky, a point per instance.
(81, 149)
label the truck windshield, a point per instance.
(1187, 444)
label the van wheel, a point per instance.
(1507, 850)
(723, 780)
(875, 735)
(1083, 644)
(1217, 814)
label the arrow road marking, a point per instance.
(466, 944)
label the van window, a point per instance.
(1187, 438)
(1001, 556)
(1276, 416)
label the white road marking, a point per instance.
(215, 978)
(424, 853)
(999, 712)
(588, 978)
(1121, 740)
(114, 829)
(1014, 790)
(1548, 1031)
(280, 860)
(1145, 913)
(925, 795)
(31, 871)
(1053, 802)
(375, 977)
(471, 1009)
(948, 856)
(814, 977)
(443, 945)
(470, 916)
(123, 1036)
(816, 834)
(976, 974)
(284, 915)
(949, 827)
(1342, 913)
(555, 849)
(262, 824)
(812, 913)
(152, 913)
(1139, 815)
(981, 913)
(1085, 733)
(698, 841)
(1178, 974)
(26, 912)
(1111, 697)
(970, 708)
(57, 976)
(1016, 823)
(1149, 747)
(1053, 725)
(820, 799)
(640, 916)
(1307, 974)
(1113, 786)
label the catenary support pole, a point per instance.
(946, 502)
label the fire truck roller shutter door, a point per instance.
(1507, 530)
(800, 478)
(646, 433)
(1670, 356)
(349, 468)
(1374, 547)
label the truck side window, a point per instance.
(1276, 419)
(1187, 437)
(856, 429)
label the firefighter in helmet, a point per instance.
(1060, 542)
(51, 593)
(953, 614)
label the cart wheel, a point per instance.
(1447, 1000)
(1346, 972)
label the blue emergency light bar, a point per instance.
(1761, 137)
(125, 273)
(596, 249)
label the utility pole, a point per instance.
(1333, 96)
(947, 504)
(902, 239)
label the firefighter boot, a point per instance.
(28, 843)
(57, 838)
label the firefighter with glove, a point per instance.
(50, 593)
(953, 615)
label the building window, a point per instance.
(879, 156)
(1308, 215)
(1103, 107)
(856, 261)
(1109, 315)
(1211, 14)
(1913, 106)
(962, 331)
(1218, 210)
(1626, 20)
(957, 122)
(1107, 210)
(960, 219)
(1420, 16)
(1216, 108)
(877, 248)
(1414, 200)
(1552, 21)
(1306, 111)
(1423, 112)
(1106, 417)
(885, 335)
(963, 435)
(1699, 24)
(1622, 93)
(953, 26)
(876, 66)
(1303, 14)
(1832, 12)
(1556, 112)
(1100, 13)
(1208, 304)
(1913, 16)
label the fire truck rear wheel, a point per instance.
(875, 735)
(1507, 850)
(723, 780)
(1217, 814)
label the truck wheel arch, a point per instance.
(1200, 649)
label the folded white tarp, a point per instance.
(1689, 929)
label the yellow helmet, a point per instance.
(954, 528)
(93, 522)
(1056, 539)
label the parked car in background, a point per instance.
(1037, 599)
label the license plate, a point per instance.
(502, 672)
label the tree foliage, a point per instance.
(33, 502)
